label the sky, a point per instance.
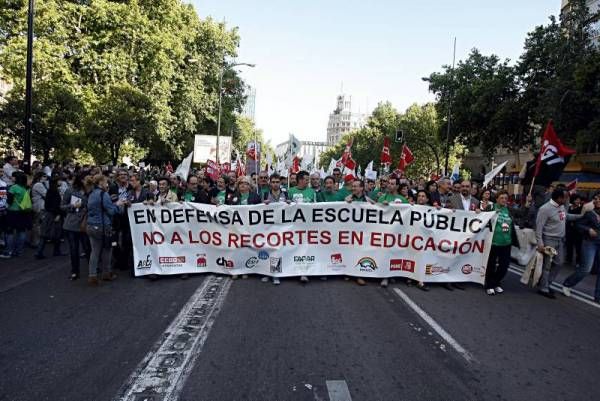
(307, 52)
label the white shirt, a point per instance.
(466, 203)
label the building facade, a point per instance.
(342, 120)
(594, 9)
(306, 147)
(250, 105)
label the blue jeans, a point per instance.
(15, 243)
(590, 251)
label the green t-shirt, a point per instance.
(342, 194)
(361, 199)
(18, 193)
(188, 196)
(389, 198)
(325, 196)
(244, 198)
(306, 195)
(221, 198)
(503, 229)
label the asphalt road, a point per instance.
(61, 340)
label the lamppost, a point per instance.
(223, 67)
(28, 89)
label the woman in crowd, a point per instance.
(243, 195)
(18, 217)
(499, 258)
(219, 194)
(39, 187)
(486, 204)
(51, 221)
(165, 194)
(405, 192)
(74, 204)
(99, 229)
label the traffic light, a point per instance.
(399, 135)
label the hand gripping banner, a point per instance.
(338, 238)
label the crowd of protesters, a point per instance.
(85, 206)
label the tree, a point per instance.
(123, 113)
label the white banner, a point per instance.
(205, 148)
(321, 239)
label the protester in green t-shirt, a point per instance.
(391, 194)
(301, 193)
(358, 195)
(499, 258)
(328, 192)
(263, 187)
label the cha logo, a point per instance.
(145, 264)
(367, 264)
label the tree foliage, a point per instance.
(156, 57)
(496, 103)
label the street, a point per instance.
(327, 340)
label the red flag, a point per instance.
(350, 164)
(240, 169)
(386, 158)
(296, 164)
(213, 170)
(553, 152)
(347, 152)
(406, 158)
(226, 167)
(572, 186)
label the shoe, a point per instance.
(409, 283)
(244, 276)
(499, 290)
(109, 276)
(384, 283)
(323, 278)
(304, 279)
(490, 291)
(276, 281)
(346, 278)
(423, 287)
(235, 277)
(458, 286)
(93, 281)
(566, 290)
(448, 287)
(5, 256)
(153, 277)
(184, 276)
(40, 257)
(74, 277)
(265, 279)
(360, 281)
(547, 294)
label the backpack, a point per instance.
(25, 204)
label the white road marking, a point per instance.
(575, 294)
(163, 372)
(435, 326)
(338, 390)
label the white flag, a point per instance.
(369, 166)
(322, 173)
(184, 168)
(490, 176)
(332, 165)
(307, 161)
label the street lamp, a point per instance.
(223, 67)
(28, 89)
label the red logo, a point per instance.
(467, 269)
(336, 259)
(404, 265)
(201, 260)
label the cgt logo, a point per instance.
(366, 264)
(434, 270)
(145, 263)
(228, 264)
(201, 260)
(404, 265)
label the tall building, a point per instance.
(250, 105)
(594, 9)
(343, 120)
